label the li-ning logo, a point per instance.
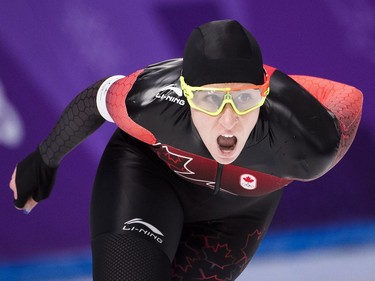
(248, 181)
(151, 230)
(164, 94)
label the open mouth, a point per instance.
(226, 142)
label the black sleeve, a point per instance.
(304, 135)
(79, 120)
(36, 173)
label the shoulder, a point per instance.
(305, 135)
(169, 68)
(154, 103)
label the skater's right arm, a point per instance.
(34, 176)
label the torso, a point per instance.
(290, 141)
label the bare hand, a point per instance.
(30, 203)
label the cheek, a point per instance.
(200, 120)
(254, 116)
(249, 121)
(203, 123)
(195, 119)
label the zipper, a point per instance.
(219, 172)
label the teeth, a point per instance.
(227, 136)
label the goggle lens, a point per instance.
(213, 100)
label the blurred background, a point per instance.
(51, 50)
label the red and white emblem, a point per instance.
(248, 181)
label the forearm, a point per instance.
(79, 119)
(343, 101)
(35, 175)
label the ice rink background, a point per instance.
(50, 51)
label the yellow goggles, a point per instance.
(212, 100)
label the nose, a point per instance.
(228, 117)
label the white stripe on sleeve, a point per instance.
(102, 94)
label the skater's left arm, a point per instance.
(341, 100)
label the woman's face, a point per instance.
(225, 135)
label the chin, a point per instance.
(225, 160)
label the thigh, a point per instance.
(133, 204)
(128, 258)
(221, 248)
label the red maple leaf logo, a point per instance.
(248, 179)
